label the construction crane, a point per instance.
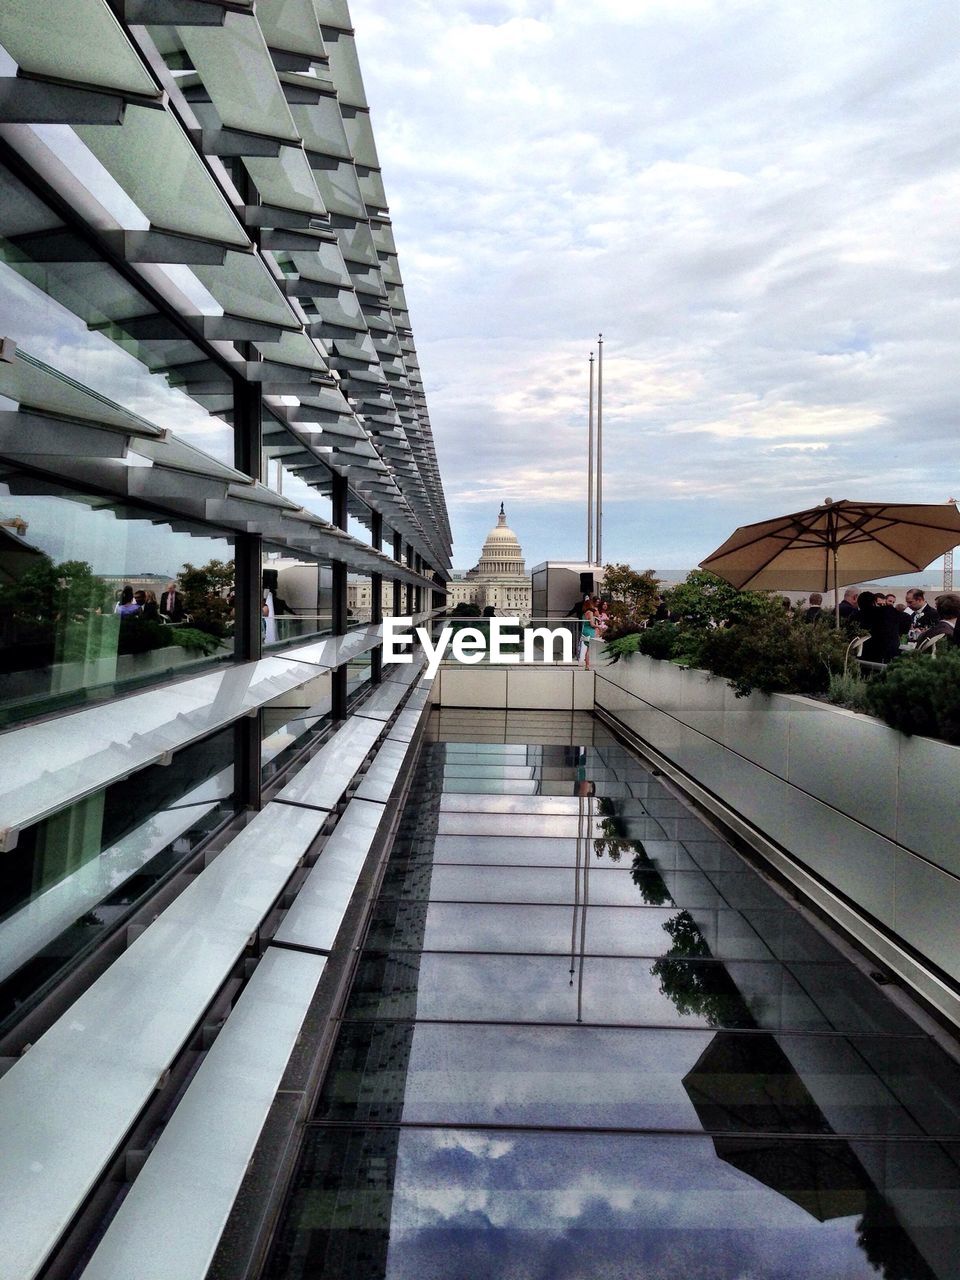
(948, 562)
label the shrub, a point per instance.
(192, 638)
(774, 654)
(623, 646)
(660, 640)
(920, 694)
(849, 690)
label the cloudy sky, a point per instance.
(756, 201)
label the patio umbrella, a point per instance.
(835, 544)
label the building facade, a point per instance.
(499, 579)
(207, 375)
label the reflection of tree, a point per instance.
(643, 870)
(888, 1248)
(56, 612)
(207, 588)
(694, 988)
(687, 939)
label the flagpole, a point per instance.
(600, 450)
(590, 470)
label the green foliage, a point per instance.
(773, 653)
(191, 638)
(631, 596)
(704, 601)
(920, 694)
(48, 593)
(205, 588)
(661, 640)
(466, 610)
(623, 646)
(850, 690)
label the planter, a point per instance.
(870, 812)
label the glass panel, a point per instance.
(297, 597)
(404, 1203)
(514, 824)
(359, 600)
(652, 1079)
(477, 927)
(539, 884)
(666, 992)
(358, 674)
(77, 874)
(151, 157)
(292, 721)
(85, 600)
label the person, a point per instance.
(588, 630)
(881, 620)
(141, 598)
(814, 608)
(662, 613)
(603, 618)
(268, 612)
(948, 610)
(126, 606)
(891, 599)
(171, 604)
(849, 615)
(150, 610)
(923, 615)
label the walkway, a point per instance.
(586, 1039)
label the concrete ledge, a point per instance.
(515, 687)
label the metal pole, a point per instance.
(590, 470)
(600, 450)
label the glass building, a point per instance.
(212, 420)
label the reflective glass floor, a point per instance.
(586, 1039)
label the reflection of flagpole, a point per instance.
(586, 900)
(600, 450)
(590, 470)
(576, 894)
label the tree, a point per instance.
(704, 600)
(206, 588)
(632, 597)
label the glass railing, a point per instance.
(284, 627)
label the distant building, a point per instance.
(140, 582)
(499, 579)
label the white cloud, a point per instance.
(756, 201)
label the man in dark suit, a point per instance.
(849, 613)
(172, 607)
(815, 607)
(948, 607)
(924, 615)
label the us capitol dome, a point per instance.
(499, 578)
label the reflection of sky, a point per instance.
(550, 1206)
(48, 331)
(68, 530)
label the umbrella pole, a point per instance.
(836, 592)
